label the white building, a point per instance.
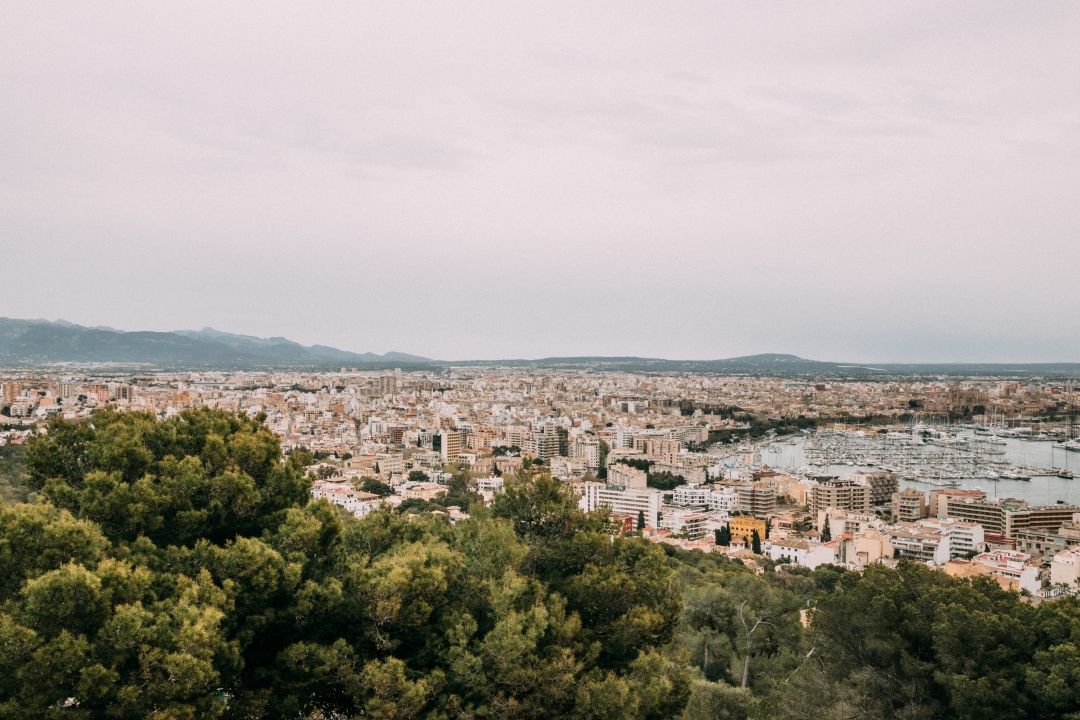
(1065, 568)
(962, 537)
(724, 500)
(1013, 566)
(800, 552)
(689, 522)
(921, 544)
(622, 500)
(692, 496)
(357, 502)
(587, 448)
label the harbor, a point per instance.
(923, 457)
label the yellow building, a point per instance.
(743, 527)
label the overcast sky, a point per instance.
(865, 181)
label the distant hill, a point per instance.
(40, 342)
(36, 342)
(766, 364)
(784, 365)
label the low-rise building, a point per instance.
(1013, 567)
(800, 552)
(1065, 568)
(743, 527)
(421, 490)
(622, 500)
(867, 547)
(692, 496)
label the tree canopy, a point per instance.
(177, 569)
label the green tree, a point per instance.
(665, 480)
(176, 569)
(603, 451)
(372, 485)
(755, 543)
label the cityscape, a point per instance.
(540, 361)
(959, 474)
(774, 479)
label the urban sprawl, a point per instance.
(685, 459)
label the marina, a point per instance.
(924, 457)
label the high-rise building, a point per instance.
(836, 493)
(11, 392)
(587, 448)
(882, 486)
(451, 443)
(547, 441)
(757, 498)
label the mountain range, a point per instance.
(42, 342)
(37, 342)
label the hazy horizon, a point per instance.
(850, 182)
(440, 358)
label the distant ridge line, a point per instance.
(43, 342)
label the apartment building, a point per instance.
(908, 505)
(835, 493)
(550, 441)
(1008, 517)
(724, 500)
(961, 537)
(882, 485)
(451, 443)
(757, 498)
(912, 542)
(689, 522)
(664, 449)
(587, 448)
(845, 521)
(622, 500)
(626, 476)
(691, 496)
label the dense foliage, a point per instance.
(13, 487)
(175, 569)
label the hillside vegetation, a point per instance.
(176, 569)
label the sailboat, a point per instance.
(1065, 472)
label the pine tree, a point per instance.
(755, 543)
(640, 519)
